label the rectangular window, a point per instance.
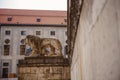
(9, 18)
(5, 73)
(5, 64)
(22, 49)
(6, 49)
(52, 32)
(23, 32)
(38, 32)
(38, 20)
(7, 32)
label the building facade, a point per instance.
(16, 24)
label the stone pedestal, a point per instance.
(43, 68)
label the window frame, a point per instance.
(23, 33)
(38, 32)
(38, 20)
(22, 49)
(5, 64)
(6, 50)
(52, 33)
(9, 19)
(7, 32)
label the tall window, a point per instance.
(52, 33)
(22, 49)
(7, 32)
(5, 69)
(38, 32)
(6, 49)
(23, 32)
(5, 72)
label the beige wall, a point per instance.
(16, 37)
(97, 47)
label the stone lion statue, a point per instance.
(43, 46)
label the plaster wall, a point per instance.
(96, 54)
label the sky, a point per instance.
(34, 4)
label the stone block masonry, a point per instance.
(44, 68)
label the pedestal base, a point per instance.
(44, 68)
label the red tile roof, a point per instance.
(30, 16)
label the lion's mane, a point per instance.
(41, 46)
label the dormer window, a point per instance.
(9, 18)
(38, 20)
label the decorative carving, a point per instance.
(43, 46)
(7, 41)
(44, 68)
(74, 9)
